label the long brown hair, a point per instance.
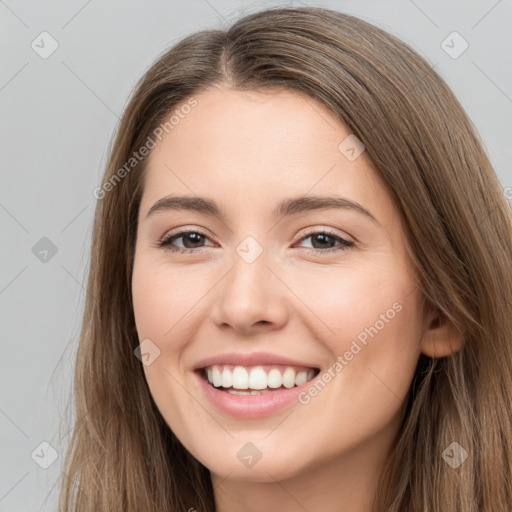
(458, 230)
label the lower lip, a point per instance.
(251, 406)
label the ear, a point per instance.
(440, 337)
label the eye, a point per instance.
(191, 241)
(323, 241)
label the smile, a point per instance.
(257, 380)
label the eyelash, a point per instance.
(344, 244)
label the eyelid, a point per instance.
(186, 229)
(344, 242)
(328, 231)
(309, 231)
(181, 232)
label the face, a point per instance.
(283, 280)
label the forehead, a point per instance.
(254, 149)
(256, 124)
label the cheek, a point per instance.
(347, 301)
(161, 300)
(370, 323)
(374, 353)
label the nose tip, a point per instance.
(250, 298)
(248, 328)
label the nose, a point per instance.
(250, 298)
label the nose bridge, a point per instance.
(249, 278)
(250, 293)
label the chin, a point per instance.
(259, 461)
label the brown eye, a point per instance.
(190, 239)
(323, 241)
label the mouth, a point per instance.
(256, 380)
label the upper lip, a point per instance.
(251, 359)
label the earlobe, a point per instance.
(441, 338)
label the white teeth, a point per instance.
(274, 379)
(289, 378)
(227, 378)
(256, 379)
(301, 378)
(240, 378)
(216, 376)
(235, 392)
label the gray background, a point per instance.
(58, 116)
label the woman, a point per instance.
(223, 364)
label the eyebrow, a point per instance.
(287, 207)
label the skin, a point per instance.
(249, 151)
